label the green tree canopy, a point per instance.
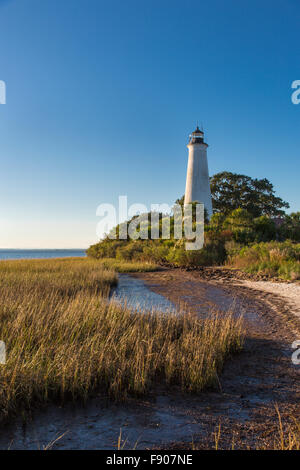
(291, 227)
(231, 191)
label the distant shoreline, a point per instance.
(17, 254)
(43, 249)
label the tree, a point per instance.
(231, 191)
(216, 221)
(180, 202)
(265, 229)
(240, 223)
(291, 227)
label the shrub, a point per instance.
(291, 227)
(281, 259)
(241, 224)
(213, 253)
(157, 252)
(264, 229)
(105, 249)
(131, 250)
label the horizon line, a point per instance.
(81, 249)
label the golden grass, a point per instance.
(288, 436)
(66, 340)
(128, 266)
(285, 435)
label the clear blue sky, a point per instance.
(101, 96)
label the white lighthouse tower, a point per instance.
(197, 178)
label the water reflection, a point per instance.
(135, 294)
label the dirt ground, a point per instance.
(260, 379)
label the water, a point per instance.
(135, 294)
(35, 254)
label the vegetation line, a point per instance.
(248, 230)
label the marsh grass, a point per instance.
(285, 436)
(288, 435)
(65, 339)
(128, 266)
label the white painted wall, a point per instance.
(197, 178)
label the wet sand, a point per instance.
(244, 402)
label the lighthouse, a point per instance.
(197, 178)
